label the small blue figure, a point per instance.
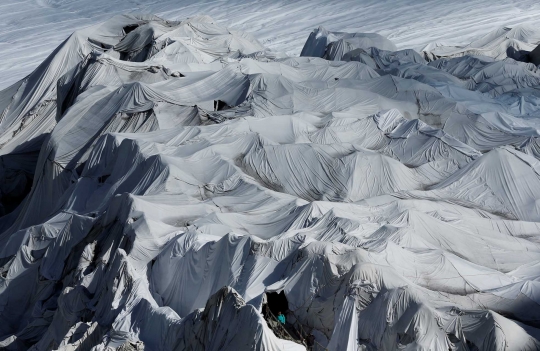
(281, 318)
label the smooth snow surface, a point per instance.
(31, 29)
(159, 178)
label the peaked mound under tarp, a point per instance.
(161, 179)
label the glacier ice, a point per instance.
(160, 178)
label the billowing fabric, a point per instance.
(514, 42)
(164, 177)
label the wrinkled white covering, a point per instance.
(395, 203)
(501, 43)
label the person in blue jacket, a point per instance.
(281, 318)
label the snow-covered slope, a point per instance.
(31, 29)
(160, 179)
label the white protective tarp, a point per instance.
(180, 171)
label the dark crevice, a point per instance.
(220, 105)
(130, 28)
(277, 302)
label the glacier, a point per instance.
(161, 180)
